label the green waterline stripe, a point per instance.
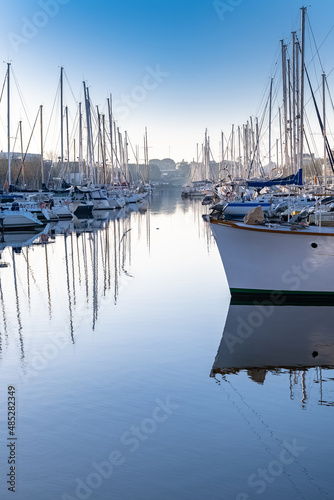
(257, 291)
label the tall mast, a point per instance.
(126, 159)
(285, 112)
(270, 99)
(42, 150)
(280, 136)
(147, 176)
(239, 144)
(104, 149)
(80, 142)
(67, 141)
(22, 155)
(88, 129)
(232, 151)
(8, 122)
(303, 9)
(109, 101)
(290, 117)
(257, 141)
(61, 119)
(294, 99)
(324, 125)
(297, 48)
(222, 151)
(99, 144)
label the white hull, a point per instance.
(100, 204)
(133, 197)
(62, 212)
(262, 258)
(116, 201)
(18, 220)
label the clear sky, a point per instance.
(176, 67)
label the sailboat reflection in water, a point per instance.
(288, 339)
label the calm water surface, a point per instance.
(136, 379)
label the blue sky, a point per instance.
(186, 65)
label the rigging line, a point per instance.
(318, 48)
(54, 103)
(134, 154)
(330, 96)
(312, 156)
(75, 100)
(258, 139)
(17, 133)
(313, 57)
(21, 96)
(311, 134)
(4, 83)
(329, 151)
(25, 154)
(329, 92)
(315, 44)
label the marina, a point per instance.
(94, 344)
(166, 251)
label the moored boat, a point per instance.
(266, 258)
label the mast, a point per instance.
(126, 159)
(8, 122)
(285, 112)
(239, 147)
(324, 125)
(99, 144)
(42, 151)
(270, 102)
(80, 142)
(297, 106)
(276, 154)
(294, 158)
(232, 151)
(290, 118)
(147, 176)
(280, 135)
(303, 9)
(61, 119)
(104, 149)
(111, 138)
(222, 151)
(22, 155)
(88, 130)
(257, 141)
(67, 141)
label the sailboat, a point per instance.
(261, 257)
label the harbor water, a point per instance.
(134, 378)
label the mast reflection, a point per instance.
(53, 282)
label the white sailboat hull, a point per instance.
(12, 220)
(264, 259)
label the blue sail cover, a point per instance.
(283, 181)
